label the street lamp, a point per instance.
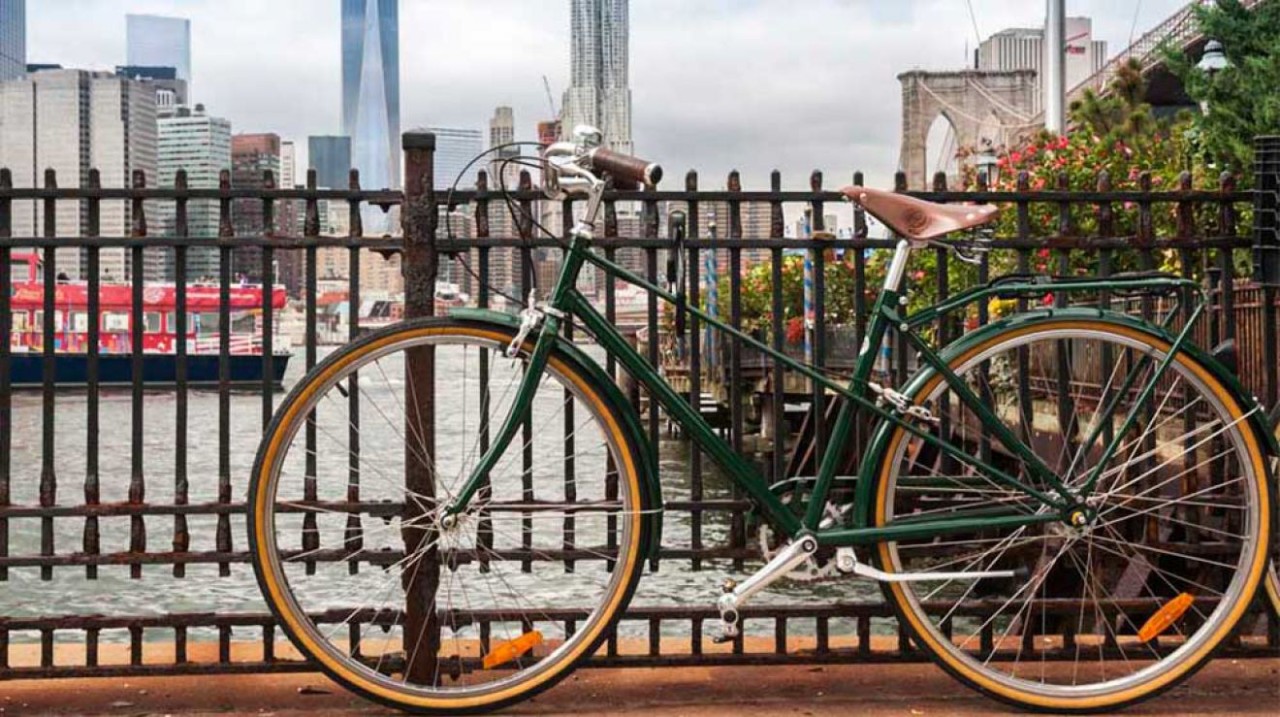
(987, 166)
(1213, 61)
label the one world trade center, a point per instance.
(371, 93)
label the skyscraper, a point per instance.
(371, 90)
(200, 144)
(155, 41)
(71, 121)
(252, 156)
(290, 213)
(13, 39)
(330, 156)
(171, 92)
(599, 93)
(502, 130)
(454, 149)
(1023, 49)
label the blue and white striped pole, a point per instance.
(806, 231)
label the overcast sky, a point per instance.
(716, 84)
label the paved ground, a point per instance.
(1226, 687)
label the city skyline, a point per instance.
(792, 87)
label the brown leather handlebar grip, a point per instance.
(626, 167)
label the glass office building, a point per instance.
(330, 156)
(156, 41)
(13, 39)
(454, 149)
(371, 89)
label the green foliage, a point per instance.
(1243, 99)
(1119, 116)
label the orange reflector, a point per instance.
(507, 651)
(1165, 616)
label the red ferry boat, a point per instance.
(246, 363)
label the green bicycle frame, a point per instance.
(1043, 484)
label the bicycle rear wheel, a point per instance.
(1137, 598)
(445, 614)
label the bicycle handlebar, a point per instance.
(625, 167)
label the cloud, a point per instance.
(755, 85)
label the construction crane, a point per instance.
(550, 100)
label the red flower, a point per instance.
(1048, 299)
(795, 330)
(1044, 253)
(1016, 157)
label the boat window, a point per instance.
(19, 321)
(152, 322)
(115, 321)
(244, 324)
(79, 321)
(204, 323)
(38, 324)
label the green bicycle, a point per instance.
(484, 526)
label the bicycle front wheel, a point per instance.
(434, 613)
(1171, 548)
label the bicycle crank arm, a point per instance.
(847, 562)
(735, 594)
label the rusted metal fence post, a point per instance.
(418, 216)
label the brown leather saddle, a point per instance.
(916, 219)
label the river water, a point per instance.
(114, 592)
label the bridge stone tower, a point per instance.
(982, 106)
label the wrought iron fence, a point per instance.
(122, 544)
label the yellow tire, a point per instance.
(1169, 549)
(511, 593)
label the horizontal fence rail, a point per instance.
(122, 532)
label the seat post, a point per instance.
(897, 266)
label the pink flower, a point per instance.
(1016, 157)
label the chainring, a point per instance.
(811, 570)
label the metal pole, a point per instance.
(418, 215)
(1053, 67)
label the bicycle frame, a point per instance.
(1056, 499)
